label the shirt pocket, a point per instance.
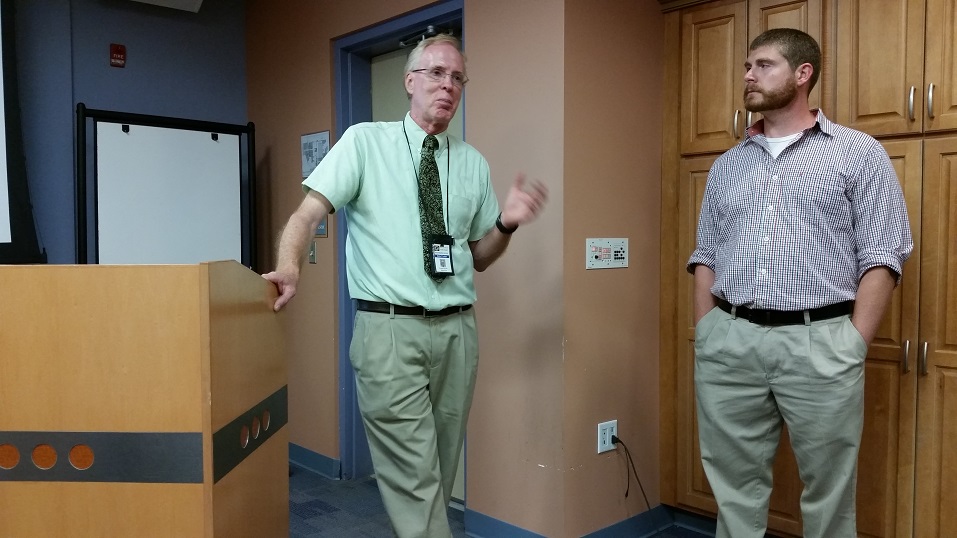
(821, 199)
(461, 210)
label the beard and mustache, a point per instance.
(757, 100)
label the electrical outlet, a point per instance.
(605, 431)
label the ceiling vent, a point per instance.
(185, 5)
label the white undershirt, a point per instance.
(777, 145)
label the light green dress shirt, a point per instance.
(372, 172)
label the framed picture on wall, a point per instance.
(314, 148)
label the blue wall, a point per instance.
(179, 64)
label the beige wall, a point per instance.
(515, 469)
(613, 123)
(568, 91)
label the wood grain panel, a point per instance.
(878, 486)
(885, 465)
(46, 509)
(671, 272)
(713, 49)
(252, 501)
(100, 348)
(940, 65)
(247, 362)
(937, 389)
(881, 44)
(692, 490)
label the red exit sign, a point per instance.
(117, 55)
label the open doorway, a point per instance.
(369, 69)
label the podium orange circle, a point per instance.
(44, 456)
(9, 456)
(81, 457)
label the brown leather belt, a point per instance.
(388, 308)
(787, 317)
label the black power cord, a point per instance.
(615, 440)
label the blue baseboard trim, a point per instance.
(644, 525)
(652, 522)
(315, 462)
(694, 522)
(479, 525)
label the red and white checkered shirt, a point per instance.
(799, 231)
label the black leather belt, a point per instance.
(787, 317)
(388, 308)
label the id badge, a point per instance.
(442, 255)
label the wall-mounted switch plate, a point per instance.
(312, 252)
(606, 253)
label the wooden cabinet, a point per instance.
(885, 483)
(714, 47)
(896, 65)
(935, 352)
(907, 478)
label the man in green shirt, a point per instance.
(411, 254)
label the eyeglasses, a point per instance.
(437, 74)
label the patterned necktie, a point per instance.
(430, 202)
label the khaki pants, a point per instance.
(414, 379)
(748, 378)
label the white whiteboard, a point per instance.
(166, 196)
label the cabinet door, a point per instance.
(885, 478)
(713, 51)
(693, 490)
(804, 15)
(940, 72)
(936, 460)
(880, 64)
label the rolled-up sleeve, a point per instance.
(706, 235)
(882, 230)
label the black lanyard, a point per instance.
(448, 172)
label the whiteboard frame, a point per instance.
(88, 195)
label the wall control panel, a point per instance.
(606, 253)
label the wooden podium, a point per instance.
(141, 400)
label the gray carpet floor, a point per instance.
(323, 508)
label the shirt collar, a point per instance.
(823, 124)
(417, 135)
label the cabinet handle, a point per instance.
(930, 100)
(905, 354)
(735, 126)
(749, 120)
(923, 360)
(910, 104)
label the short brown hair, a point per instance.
(797, 48)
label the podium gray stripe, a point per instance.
(228, 452)
(168, 458)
